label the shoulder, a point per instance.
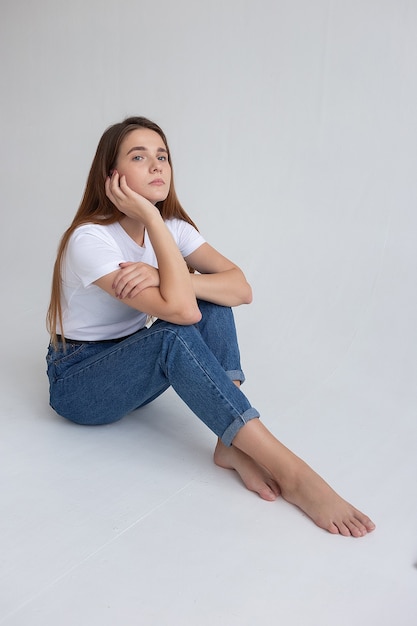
(180, 228)
(92, 241)
(102, 232)
(185, 235)
(92, 252)
(177, 224)
(92, 229)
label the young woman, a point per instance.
(123, 261)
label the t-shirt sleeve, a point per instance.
(92, 254)
(187, 237)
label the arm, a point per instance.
(134, 277)
(219, 280)
(173, 299)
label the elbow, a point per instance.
(193, 318)
(189, 315)
(247, 295)
(249, 298)
(244, 292)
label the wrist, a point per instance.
(153, 218)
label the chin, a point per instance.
(158, 198)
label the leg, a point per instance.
(78, 376)
(96, 384)
(218, 330)
(90, 384)
(300, 485)
(255, 477)
(263, 463)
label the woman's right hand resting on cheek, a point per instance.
(128, 201)
(170, 295)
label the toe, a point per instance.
(332, 528)
(366, 522)
(344, 527)
(362, 523)
(274, 487)
(345, 530)
(356, 530)
(352, 527)
(266, 493)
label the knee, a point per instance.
(209, 310)
(216, 316)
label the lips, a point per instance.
(157, 182)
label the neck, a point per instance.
(134, 228)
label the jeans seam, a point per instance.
(211, 398)
(203, 369)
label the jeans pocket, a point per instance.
(61, 359)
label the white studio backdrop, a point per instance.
(293, 131)
(292, 125)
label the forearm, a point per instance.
(174, 277)
(175, 292)
(227, 288)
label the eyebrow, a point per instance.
(143, 148)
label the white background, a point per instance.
(292, 126)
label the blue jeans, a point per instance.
(100, 382)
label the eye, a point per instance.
(138, 157)
(162, 158)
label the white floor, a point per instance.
(133, 524)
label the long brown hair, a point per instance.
(96, 208)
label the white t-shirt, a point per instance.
(89, 313)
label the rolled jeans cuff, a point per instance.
(232, 430)
(236, 375)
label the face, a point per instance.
(143, 159)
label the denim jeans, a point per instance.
(100, 382)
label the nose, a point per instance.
(155, 166)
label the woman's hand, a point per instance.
(173, 299)
(132, 278)
(219, 280)
(128, 201)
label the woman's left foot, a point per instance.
(254, 477)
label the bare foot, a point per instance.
(299, 484)
(254, 477)
(326, 508)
